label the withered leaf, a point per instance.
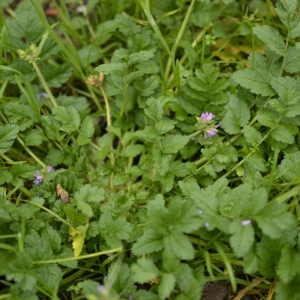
(62, 193)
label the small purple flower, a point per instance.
(50, 169)
(207, 116)
(211, 132)
(39, 96)
(206, 224)
(101, 288)
(246, 222)
(38, 177)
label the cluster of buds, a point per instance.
(31, 54)
(206, 125)
(40, 175)
(95, 80)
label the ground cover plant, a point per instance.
(149, 147)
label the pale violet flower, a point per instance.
(207, 116)
(246, 222)
(39, 96)
(50, 169)
(38, 177)
(206, 224)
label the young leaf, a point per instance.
(237, 115)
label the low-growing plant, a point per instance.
(140, 159)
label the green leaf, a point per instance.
(107, 68)
(253, 137)
(154, 110)
(237, 115)
(34, 137)
(286, 10)
(286, 266)
(24, 171)
(26, 25)
(205, 14)
(144, 270)
(133, 150)
(86, 131)
(69, 118)
(5, 176)
(146, 86)
(150, 242)
(250, 261)
(287, 89)
(290, 290)
(231, 204)
(19, 269)
(8, 134)
(242, 237)
(21, 114)
(256, 80)
(165, 126)
(295, 27)
(51, 128)
(114, 230)
(271, 37)
(268, 117)
(184, 277)
(54, 157)
(292, 63)
(56, 75)
(173, 143)
(268, 251)
(113, 85)
(89, 193)
(140, 56)
(124, 283)
(166, 285)
(289, 168)
(180, 244)
(282, 134)
(272, 221)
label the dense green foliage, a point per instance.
(148, 147)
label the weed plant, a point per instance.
(148, 147)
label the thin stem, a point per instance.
(106, 106)
(31, 154)
(44, 84)
(178, 38)
(51, 261)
